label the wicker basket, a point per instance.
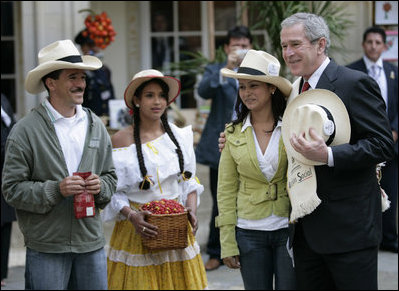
(172, 231)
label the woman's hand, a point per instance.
(232, 262)
(145, 229)
(192, 217)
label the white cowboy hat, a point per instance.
(143, 76)
(61, 54)
(260, 66)
(320, 109)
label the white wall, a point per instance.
(43, 22)
(121, 56)
(362, 18)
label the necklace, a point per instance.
(268, 132)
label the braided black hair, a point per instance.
(185, 174)
(146, 183)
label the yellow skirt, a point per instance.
(133, 267)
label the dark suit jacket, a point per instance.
(391, 74)
(349, 216)
(7, 212)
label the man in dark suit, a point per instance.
(7, 212)
(223, 93)
(386, 75)
(336, 246)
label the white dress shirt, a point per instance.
(4, 116)
(71, 133)
(313, 80)
(380, 77)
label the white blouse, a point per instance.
(268, 163)
(162, 164)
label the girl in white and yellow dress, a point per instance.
(162, 166)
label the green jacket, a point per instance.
(243, 191)
(33, 169)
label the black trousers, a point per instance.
(389, 183)
(213, 245)
(5, 247)
(355, 270)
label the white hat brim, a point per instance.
(283, 84)
(33, 82)
(173, 84)
(326, 99)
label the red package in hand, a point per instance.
(83, 204)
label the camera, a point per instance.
(241, 54)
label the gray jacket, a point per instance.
(33, 169)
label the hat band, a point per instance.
(330, 117)
(72, 59)
(250, 71)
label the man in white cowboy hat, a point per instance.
(335, 245)
(44, 151)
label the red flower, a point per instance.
(387, 6)
(99, 28)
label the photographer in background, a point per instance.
(223, 93)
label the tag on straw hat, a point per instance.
(260, 66)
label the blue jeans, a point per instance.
(263, 255)
(72, 271)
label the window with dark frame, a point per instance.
(172, 35)
(176, 28)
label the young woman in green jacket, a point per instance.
(252, 198)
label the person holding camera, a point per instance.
(223, 93)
